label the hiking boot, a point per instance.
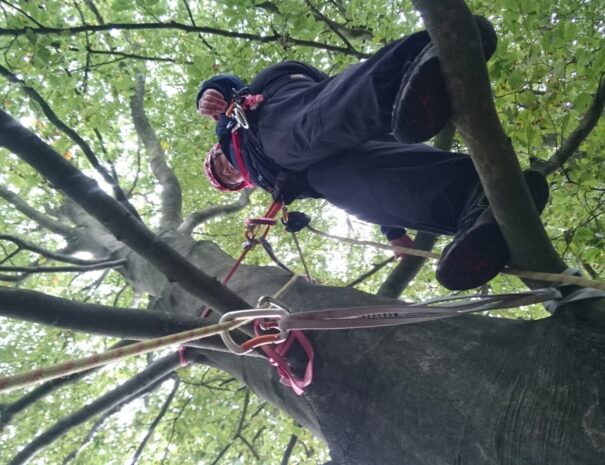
(422, 106)
(479, 252)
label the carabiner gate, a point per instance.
(250, 315)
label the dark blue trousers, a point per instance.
(338, 132)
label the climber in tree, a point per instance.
(354, 140)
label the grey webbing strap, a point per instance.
(388, 315)
(581, 294)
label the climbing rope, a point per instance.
(277, 328)
(223, 327)
(113, 355)
(556, 278)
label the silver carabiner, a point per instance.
(267, 301)
(240, 116)
(249, 315)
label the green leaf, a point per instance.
(582, 102)
(121, 5)
(516, 79)
(583, 234)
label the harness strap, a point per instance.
(277, 357)
(239, 159)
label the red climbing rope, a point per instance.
(251, 231)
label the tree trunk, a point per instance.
(469, 390)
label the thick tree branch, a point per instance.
(197, 218)
(113, 216)
(98, 319)
(156, 421)
(8, 411)
(42, 220)
(579, 134)
(173, 25)
(171, 195)
(126, 392)
(455, 35)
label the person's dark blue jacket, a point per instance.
(263, 171)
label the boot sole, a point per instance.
(476, 258)
(478, 255)
(422, 107)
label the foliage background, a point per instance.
(548, 66)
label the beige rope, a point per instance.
(286, 287)
(78, 365)
(86, 363)
(557, 278)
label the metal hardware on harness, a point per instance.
(249, 315)
(272, 302)
(240, 117)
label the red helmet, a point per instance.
(214, 179)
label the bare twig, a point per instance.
(61, 269)
(24, 13)
(579, 134)
(132, 56)
(197, 218)
(90, 4)
(21, 244)
(288, 452)
(152, 375)
(173, 429)
(318, 14)
(156, 421)
(189, 12)
(375, 269)
(173, 25)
